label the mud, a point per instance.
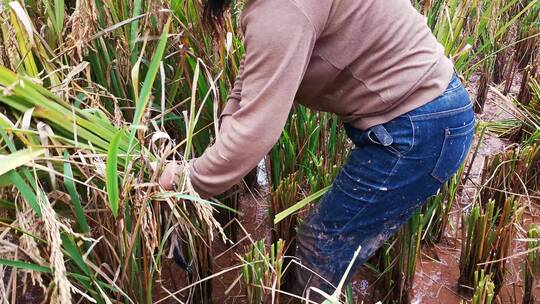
(254, 226)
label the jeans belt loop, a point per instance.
(382, 135)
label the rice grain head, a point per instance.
(81, 24)
(52, 227)
(27, 222)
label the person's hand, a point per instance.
(170, 177)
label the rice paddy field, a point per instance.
(96, 96)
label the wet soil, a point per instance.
(253, 226)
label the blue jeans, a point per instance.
(394, 168)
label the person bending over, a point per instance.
(376, 65)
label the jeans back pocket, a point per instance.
(457, 142)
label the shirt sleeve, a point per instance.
(233, 101)
(279, 40)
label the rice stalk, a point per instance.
(262, 272)
(396, 261)
(484, 288)
(530, 269)
(487, 235)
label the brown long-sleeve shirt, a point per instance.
(367, 61)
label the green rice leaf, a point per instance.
(19, 158)
(301, 204)
(26, 191)
(59, 15)
(146, 89)
(112, 173)
(44, 269)
(75, 199)
(25, 265)
(24, 19)
(69, 245)
(6, 204)
(5, 180)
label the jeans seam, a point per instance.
(452, 89)
(413, 136)
(347, 173)
(391, 173)
(393, 150)
(427, 116)
(459, 134)
(403, 153)
(347, 194)
(437, 164)
(467, 127)
(388, 148)
(352, 178)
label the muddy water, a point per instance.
(437, 274)
(254, 226)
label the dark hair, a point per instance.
(213, 13)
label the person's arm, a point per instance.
(233, 101)
(279, 40)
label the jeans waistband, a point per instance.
(453, 100)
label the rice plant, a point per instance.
(436, 211)
(527, 51)
(131, 227)
(489, 228)
(305, 160)
(487, 235)
(530, 270)
(504, 128)
(262, 272)
(286, 192)
(84, 128)
(484, 288)
(396, 261)
(510, 172)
